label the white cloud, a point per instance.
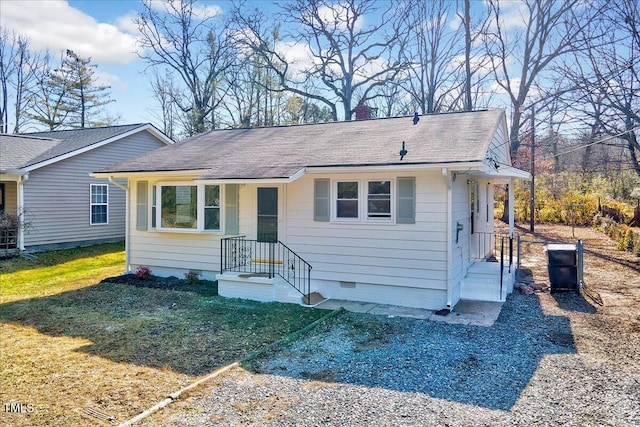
(57, 26)
(201, 11)
(107, 79)
(297, 55)
(513, 15)
(338, 15)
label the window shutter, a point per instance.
(321, 201)
(406, 201)
(232, 209)
(141, 205)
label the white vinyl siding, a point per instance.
(55, 196)
(411, 255)
(99, 204)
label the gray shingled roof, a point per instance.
(280, 152)
(76, 139)
(18, 150)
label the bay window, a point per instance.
(186, 207)
(179, 206)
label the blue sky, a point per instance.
(103, 30)
(100, 29)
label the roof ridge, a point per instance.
(442, 113)
(23, 135)
(87, 129)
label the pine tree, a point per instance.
(84, 97)
(69, 96)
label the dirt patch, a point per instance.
(604, 316)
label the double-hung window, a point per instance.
(347, 200)
(376, 200)
(212, 207)
(379, 199)
(99, 202)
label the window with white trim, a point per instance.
(153, 207)
(347, 200)
(99, 204)
(212, 207)
(379, 199)
(179, 206)
(186, 207)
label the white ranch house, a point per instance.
(395, 211)
(44, 180)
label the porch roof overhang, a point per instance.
(292, 174)
(12, 175)
(501, 173)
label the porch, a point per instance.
(492, 274)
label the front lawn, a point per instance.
(72, 343)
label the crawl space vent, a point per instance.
(348, 285)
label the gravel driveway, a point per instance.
(542, 363)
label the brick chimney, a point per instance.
(363, 112)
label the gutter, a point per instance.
(127, 229)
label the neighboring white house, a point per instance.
(395, 210)
(44, 179)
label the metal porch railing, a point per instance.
(492, 245)
(242, 255)
(496, 247)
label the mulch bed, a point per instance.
(201, 287)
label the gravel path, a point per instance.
(544, 362)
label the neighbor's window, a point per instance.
(347, 199)
(179, 206)
(99, 204)
(212, 207)
(379, 199)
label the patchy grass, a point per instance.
(55, 271)
(70, 341)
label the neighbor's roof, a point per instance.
(281, 152)
(18, 152)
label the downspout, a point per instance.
(511, 209)
(127, 226)
(20, 190)
(449, 222)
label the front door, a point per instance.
(267, 214)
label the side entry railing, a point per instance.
(243, 255)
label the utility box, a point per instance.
(563, 266)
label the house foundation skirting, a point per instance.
(258, 287)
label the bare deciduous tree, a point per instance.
(18, 70)
(348, 56)
(192, 42)
(605, 78)
(545, 31)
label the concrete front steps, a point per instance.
(482, 282)
(257, 287)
